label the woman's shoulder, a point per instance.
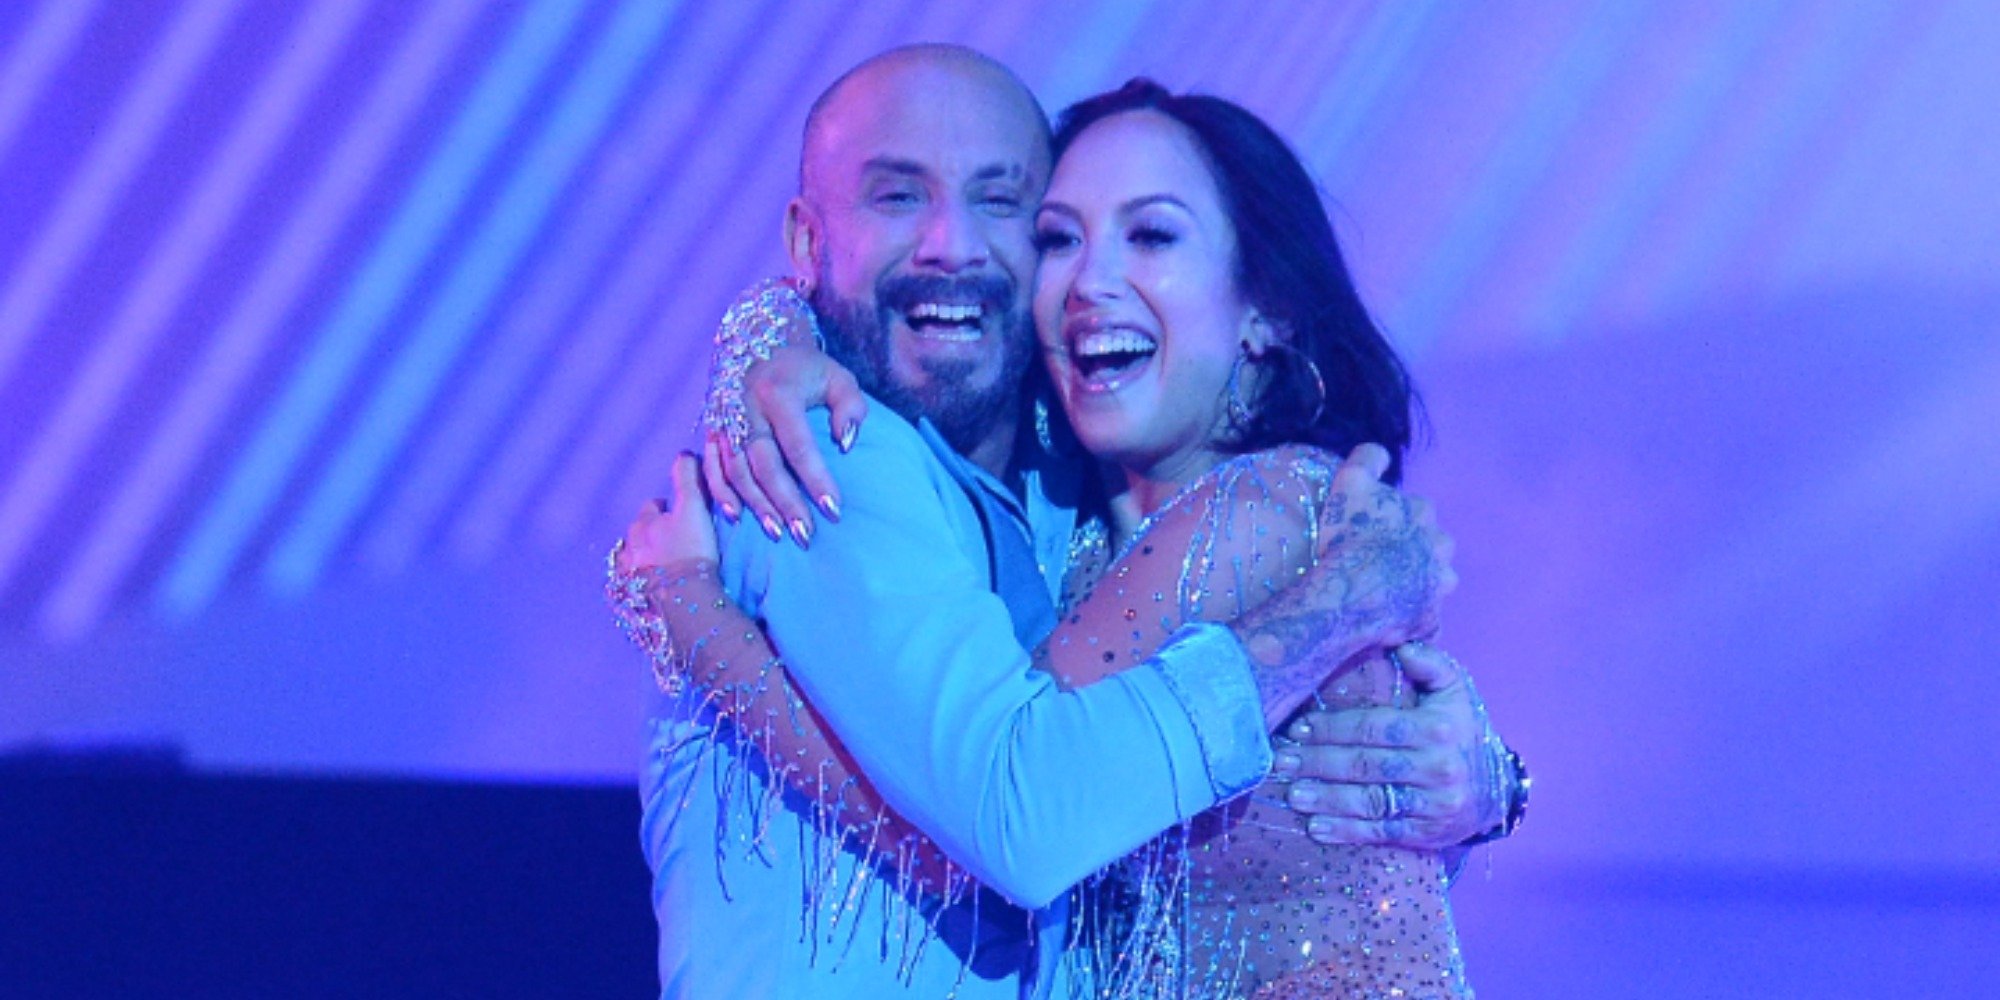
(1289, 471)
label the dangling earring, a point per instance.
(1312, 369)
(1240, 414)
(1043, 434)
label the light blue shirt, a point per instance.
(892, 627)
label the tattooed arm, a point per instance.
(1381, 570)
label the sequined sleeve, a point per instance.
(700, 638)
(1222, 546)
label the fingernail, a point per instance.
(1319, 828)
(802, 531)
(1286, 764)
(831, 506)
(847, 436)
(1300, 730)
(730, 512)
(771, 527)
(1303, 795)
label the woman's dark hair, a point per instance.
(1289, 266)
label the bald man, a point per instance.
(908, 625)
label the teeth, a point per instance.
(946, 313)
(1093, 345)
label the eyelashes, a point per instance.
(1047, 240)
(1146, 237)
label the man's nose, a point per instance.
(953, 240)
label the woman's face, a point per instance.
(1135, 298)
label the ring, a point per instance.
(1392, 803)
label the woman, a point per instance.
(1207, 345)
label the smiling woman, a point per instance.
(1136, 301)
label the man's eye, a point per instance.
(896, 199)
(1001, 204)
(1050, 240)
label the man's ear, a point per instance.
(803, 241)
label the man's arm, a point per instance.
(888, 626)
(1456, 783)
(889, 629)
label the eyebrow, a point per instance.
(893, 165)
(1127, 208)
(911, 168)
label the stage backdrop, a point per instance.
(338, 339)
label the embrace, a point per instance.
(1101, 673)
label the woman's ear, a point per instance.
(1257, 333)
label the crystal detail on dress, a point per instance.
(1238, 901)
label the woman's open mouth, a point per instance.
(1105, 358)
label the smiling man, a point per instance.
(914, 224)
(906, 626)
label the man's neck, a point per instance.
(995, 452)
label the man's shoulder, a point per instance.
(895, 492)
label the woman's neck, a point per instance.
(1149, 489)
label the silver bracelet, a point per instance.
(759, 322)
(641, 621)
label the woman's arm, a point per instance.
(1216, 553)
(698, 637)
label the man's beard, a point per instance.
(964, 414)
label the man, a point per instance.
(920, 172)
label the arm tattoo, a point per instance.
(1375, 584)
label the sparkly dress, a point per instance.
(1237, 901)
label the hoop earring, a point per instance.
(1240, 414)
(1319, 384)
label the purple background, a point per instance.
(338, 338)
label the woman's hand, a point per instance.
(778, 462)
(770, 367)
(673, 531)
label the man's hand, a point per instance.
(779, 463)
(1421, 777)
(1381, 576)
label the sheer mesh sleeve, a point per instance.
(697, 637)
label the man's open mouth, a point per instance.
(946, 321)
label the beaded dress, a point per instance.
(1235, 902)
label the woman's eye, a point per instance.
(1153, 237)
(1049, 240)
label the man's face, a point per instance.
(923, 187)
